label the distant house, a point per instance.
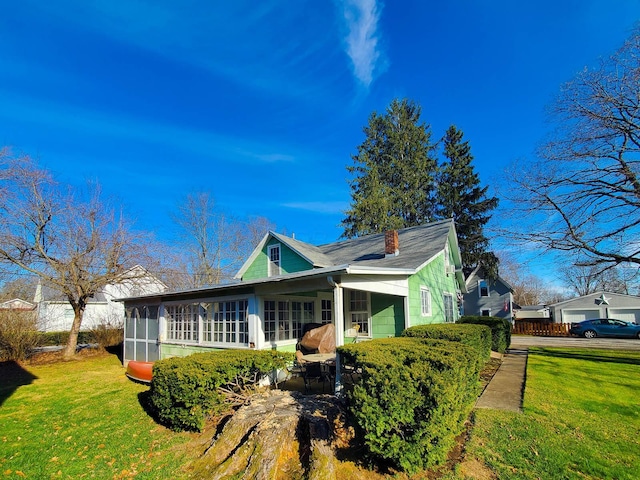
(597, 305)
(17, 304)
(488, 298)
(372, 286)
(56, 314)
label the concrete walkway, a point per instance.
(506, 388)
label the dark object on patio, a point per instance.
(319, 340)
(315, 372)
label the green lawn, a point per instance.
(82, 419)
(581, 419)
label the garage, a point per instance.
(626, 314)
(574, 316)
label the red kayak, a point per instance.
(139, 371)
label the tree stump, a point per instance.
(278, 435)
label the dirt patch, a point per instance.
(45, 358)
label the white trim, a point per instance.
(270, 263)
(256, 251)
(453, 307)
(349, 319)
(424, 289)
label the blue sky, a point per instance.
(263, 103)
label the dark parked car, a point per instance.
(605, 327)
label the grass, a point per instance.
(581, 419)
(82, 419)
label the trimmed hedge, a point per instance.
(185, 390)
(500, 330)
(412, 398)
(62, 338)
(477, 336)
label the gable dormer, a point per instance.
(275, 255)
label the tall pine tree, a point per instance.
(393, 173)
(460, 196)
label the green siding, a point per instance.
(168, 350)
(290, 262)
(387, 315)
(433, 277)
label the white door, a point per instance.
(626, 314)
(575, 316)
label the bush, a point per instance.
(185, 391)
(477, 336)
(107, 333)
(46, 339)
(412, 398)
(18, 334)
(500, 330)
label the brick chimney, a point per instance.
(391, 243)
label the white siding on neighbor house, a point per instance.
(569, 316)
(626, 314)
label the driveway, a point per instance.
(523, 341)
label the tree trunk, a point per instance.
(279, 435)
(70, 349)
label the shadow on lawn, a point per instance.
(593, 356)
(13, 376)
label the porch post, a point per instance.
(338, 306)
(254, 327)
(407, 317)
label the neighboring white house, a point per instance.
(17, 304)
(55, 313)
(597, 305)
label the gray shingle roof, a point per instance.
(417, 245)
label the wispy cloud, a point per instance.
(362, 39)
(69, 118)
(319, 207)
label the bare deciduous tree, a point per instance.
(528, 289)
(75, 246)
(583, 195)
(587, 279)
(215, 243)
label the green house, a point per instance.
(372, 286)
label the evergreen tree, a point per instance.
(393, 173)
(459, 196)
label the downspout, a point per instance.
(338, 307)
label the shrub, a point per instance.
(46, 339)
(500, 330)
(185, 391)
(107, 333)
(18, 334)
(412, 398)
(477, 336)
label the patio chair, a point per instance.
(314, 372)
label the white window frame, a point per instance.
(447, 259)
(488, 310)
(448, 318)
(287, 318)
(274, 267)
(183, 322)
(425, 306)
(227, 324)
(356, 316)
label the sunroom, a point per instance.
(264, 314)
